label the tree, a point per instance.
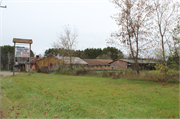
(51, 51)
(80, 53)
(113, 53)
(173, 58)
(134, 20)
(165, 17)
(66, 43)
(92, 53)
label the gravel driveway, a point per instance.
(8, 73)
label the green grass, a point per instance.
(53, 95)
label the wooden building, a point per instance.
(32, 64)
(51, 62)
(98, 64)
(25, 66)
(124, 64)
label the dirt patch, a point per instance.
(8, 73)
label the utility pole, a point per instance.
(8, 59)
(2, 6)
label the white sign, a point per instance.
(21, 52)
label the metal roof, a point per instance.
(98, 61)
(139, 61)
(74, 60)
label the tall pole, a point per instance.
(8, 60)
(2, 6)
(14, 59)
(29, 58)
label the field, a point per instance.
(65, 96)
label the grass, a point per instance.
(53, 96)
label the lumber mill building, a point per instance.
(51, 62)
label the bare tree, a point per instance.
(165, 13)
(134, 21)
(66, 43)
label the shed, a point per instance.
(124, 64)
(98, 64)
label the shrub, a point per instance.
(57, 71)
(81, 71)
(105, 74)
(92, 73)
(39, 71)
(112, 73)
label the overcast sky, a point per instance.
(42, 21)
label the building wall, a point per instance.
(33, 67)
(17, 69)
(119, 65)
(47, 61)
(20, 68)
(99, 67)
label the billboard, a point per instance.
(22, 55)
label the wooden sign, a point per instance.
(19, 40)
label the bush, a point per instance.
(105, 74)
(57, 71)
(38, 71)
(112, 73)
(92, 73)
(81, 71)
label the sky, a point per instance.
(43, 21)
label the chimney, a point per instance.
(37, 56)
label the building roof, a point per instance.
(74, 60)
(139, 61)
(98, 61)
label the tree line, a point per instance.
(89, 53)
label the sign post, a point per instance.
(22, 54)
(14, 59)
(30, 60)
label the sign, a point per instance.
(21, 52)
(21, 55)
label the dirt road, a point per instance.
(8, 73)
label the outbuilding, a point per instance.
(124, 64)
(98, 64)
